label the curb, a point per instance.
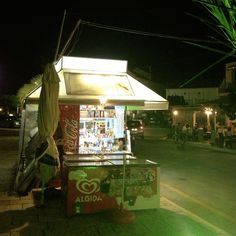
(203, 145)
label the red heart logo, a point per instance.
(88, 186)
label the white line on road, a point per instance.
(195, 217)
(212, 209)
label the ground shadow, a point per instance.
(50, 220)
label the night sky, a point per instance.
(29, 40)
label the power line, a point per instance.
(208, 48)
(207, 68)
(138, 32)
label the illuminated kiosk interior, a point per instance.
(94, 95)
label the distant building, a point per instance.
(193, 96)
(229, 83)
(201, 104)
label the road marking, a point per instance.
(197, 218)
(214, 210)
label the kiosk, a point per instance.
(94, 96)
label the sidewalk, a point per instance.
(21, 216)
(203, 144)
(206, 144)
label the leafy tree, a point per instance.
(10, 103)
(27, 89)
(222, 22)
(223, 14)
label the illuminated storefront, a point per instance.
(94, 96)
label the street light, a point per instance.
(215, 114)
(175, 113)
(208, 112)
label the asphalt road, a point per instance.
(201, 180)
(195, 178)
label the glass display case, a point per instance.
(90, 129)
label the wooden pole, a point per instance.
(69, 40)
(59, 38)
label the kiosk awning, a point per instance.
(102, 81)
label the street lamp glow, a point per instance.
(175, 112)
(208, 111)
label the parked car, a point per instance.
(136, 128)
(10, 122)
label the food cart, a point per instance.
(94, 97)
